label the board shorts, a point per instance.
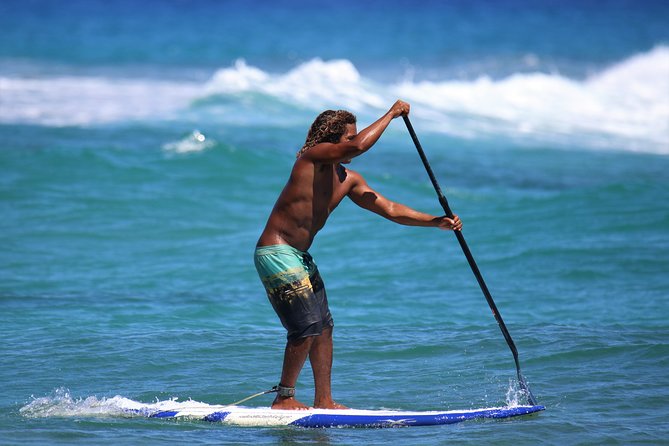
(295, 289)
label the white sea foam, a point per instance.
(196, 141)
(625, 106)
(314, 84)
(61, 404)
(80, 100)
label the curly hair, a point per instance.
(329, 126)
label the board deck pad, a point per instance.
(319, 418)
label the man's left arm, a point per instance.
(367, 198)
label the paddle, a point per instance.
(472, 263)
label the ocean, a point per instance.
(143, 144)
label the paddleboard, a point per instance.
(320, 418)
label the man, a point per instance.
(317, 184)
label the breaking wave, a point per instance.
(625, 106)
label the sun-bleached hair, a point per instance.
(329, 126)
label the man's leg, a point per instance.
(293, 361)
(320, 357)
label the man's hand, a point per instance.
(400, 108)
(446, 223)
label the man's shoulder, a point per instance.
(305, 167)
(303, 162)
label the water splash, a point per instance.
(194, 142)
(61, 404)
(515, 395)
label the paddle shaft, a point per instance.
(472, 263)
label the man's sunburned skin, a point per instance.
(318, 183)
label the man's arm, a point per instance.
(332, 153)
(367, 198)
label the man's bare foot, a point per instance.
(329, 405)
(288, 403)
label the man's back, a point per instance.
(311, 193)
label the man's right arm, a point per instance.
(332, 153)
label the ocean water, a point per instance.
(142, 146)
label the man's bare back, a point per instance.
(312, 192)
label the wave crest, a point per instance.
(625, 106)
(313, 84)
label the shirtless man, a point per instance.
(317, 184)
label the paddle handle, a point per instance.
(472, 263)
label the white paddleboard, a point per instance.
(265, 416)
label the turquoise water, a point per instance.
(140, 156)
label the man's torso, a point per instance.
(312, 192)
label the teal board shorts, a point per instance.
(295, 289)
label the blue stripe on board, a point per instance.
(328, 420)
(216, 416)
(165, 414)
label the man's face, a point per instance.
(350, 133)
